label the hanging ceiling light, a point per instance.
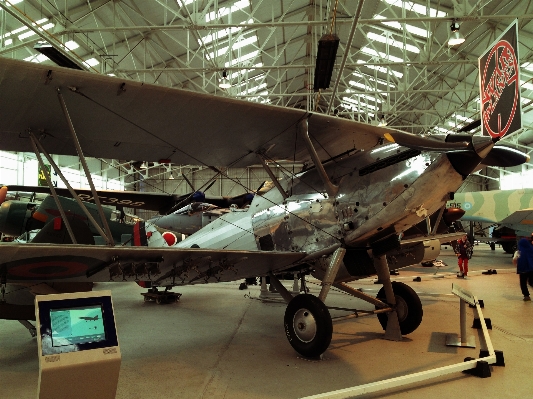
(382, 121)
(224, 82)
(171, 177)
(144, 166)
(455, 36)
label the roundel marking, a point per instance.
(48, 269)
(170, 238)
(467, 206)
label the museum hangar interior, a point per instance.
(394, 66)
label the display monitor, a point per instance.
(77, 325)
(73, 325)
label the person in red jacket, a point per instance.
(463, 251)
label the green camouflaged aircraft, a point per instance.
(509, 208)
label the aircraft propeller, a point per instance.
(464, 150)
(3, 194)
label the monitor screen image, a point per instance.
(79, 325)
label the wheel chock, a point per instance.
(500, 361)
(482, 369)
(477, 323)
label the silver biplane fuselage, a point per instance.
(389, 199)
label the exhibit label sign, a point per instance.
(42, 175)
(500, 85)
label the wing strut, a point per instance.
(69, 187)
(109, 238)
(35, 143)
(331, 189)
(272, 176)
(437, 222)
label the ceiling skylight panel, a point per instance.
(528, 66)
(391, 42)
(409, 28)
(399, 75)
(355, 108)
(418, 8)
(37, 58)
(235, 46)
(12, 2)
(244, 71)
(374, 53)
(26, 34)
(221, 34)
(359, 104)
(223, 11)
(372, 79)
(92, 62)
(21, 29)
(463, 118)
(243, 58)
(364, 87)
(253, 90)
(526, 85)
(71, 45)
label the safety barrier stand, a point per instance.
(478, 367)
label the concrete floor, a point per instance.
(220, 342)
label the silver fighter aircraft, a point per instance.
(340, 219)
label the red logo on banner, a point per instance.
(499, 79)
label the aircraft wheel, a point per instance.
(308, 325)
(158, 300)
(408, 307)
(509, 247)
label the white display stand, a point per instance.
(79, 354)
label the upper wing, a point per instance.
(131, 199)
(52, 262)
(121, 119)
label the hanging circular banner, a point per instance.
(500, 90)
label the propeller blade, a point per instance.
(504, 156)
(3, 194)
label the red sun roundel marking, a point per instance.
(170, 238)
(499, 79)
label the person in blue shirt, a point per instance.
(523, 259)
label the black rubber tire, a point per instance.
(509, 247)
(407, 299)
(308, 325)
